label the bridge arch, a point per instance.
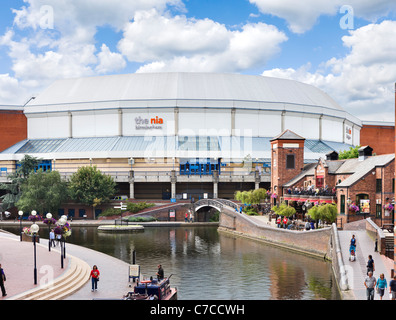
(218, 204)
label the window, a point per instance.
(81, 213)
(378, 210)
(70, 213)
(290, 161)
(378, 187)
(342, 207)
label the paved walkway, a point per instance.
(17, 260)
(356, 270)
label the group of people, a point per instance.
(371, 283)
(52, 237)
(286, 223)
(188, 217)
(310, 190)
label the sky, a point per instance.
(347, 50)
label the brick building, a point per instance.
(13, 126)
(366, 182)
(380, 135)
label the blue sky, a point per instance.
(45, 40)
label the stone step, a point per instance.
(73, 279)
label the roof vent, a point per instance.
(332, 155)
(365, 152)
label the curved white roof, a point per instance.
(210, 90)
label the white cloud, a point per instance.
(302, 15)
(59, 41)
(109, 61)
(177, 43)
(69, 14)
(9, 90)
(363, 81)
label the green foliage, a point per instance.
(327, 212)
(215, 217)
(284, 210)
(90, 186)
(314, 213)
(42, 191)
(131, 207)
(111, 212)
(250, 211)
(140, 219)
(16, 180)
(353, 152)
(252, 196)
(136, 207)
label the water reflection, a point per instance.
(209, 265)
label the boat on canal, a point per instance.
(152, 289)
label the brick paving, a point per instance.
(356, 270)
(17, 260)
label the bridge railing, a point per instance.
(218, 203)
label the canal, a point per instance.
(206, 264)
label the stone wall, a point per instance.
(313, 242)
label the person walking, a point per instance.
(353, 241)
(381, 285)
(58, 238)
(370, 283)
(2, 280)
(392, 288)
(52, 238)
(94, 276)
(370, 264)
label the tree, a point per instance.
(284, 210)
(327, 212)
(42, 191)
(353, 152)
(91, 187)
(252, 196)
(25, 167)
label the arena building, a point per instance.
(178, 135)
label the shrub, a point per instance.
(136, 207)
(139, 219)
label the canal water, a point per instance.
(206, 264)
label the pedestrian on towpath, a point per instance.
(52, 238)
(370, 264)
(392, 288)
(2, 280)
(381, 285)
(353, 241)
(94, 276)
(370, 283)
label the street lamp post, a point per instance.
(64, 217)
(49, 217)
(35, 228)
(61, 223)
(20, 213)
